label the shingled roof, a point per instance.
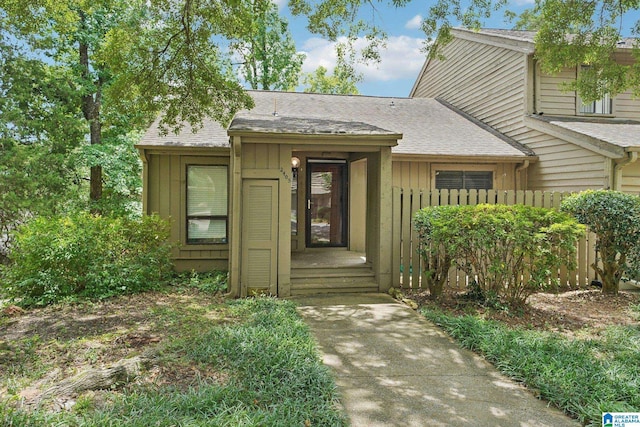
(624, 134)
(427, 126)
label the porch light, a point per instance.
(295, 163)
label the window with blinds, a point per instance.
(457, 180)
(600, 106)
(207, 216)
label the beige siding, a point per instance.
(551, 99)
(485, 81)
(563, 166)
(411, 174)
(625, 106)
(419, 175)
(166, 196)
(631, 178)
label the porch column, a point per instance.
(235, 194)
(385, 209)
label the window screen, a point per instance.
(206, 204)
(457, 180)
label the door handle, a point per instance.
(309, 204)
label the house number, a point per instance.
(285, 174)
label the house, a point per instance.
(295, 196)
(494, 76)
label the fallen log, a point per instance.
(121, 372)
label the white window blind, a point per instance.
(600, 106)
(207, 204)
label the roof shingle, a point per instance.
(427, 126)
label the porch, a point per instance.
(331, 270)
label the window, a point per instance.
(206, 204)
(601, 106)
(457, 180)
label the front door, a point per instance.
(327, 203)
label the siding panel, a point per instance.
(631, 178)
(487, 82)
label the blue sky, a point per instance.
(402, 59)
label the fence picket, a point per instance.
(396, 225)
(407, 264)
(415, 257)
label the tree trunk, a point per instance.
(91, 102)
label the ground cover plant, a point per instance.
(580, 349)
(248, 362)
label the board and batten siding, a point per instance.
(488, 82)
(166, 196)
(419, 174)
(563, 166)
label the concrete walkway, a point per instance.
(395, 368)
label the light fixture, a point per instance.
(295, 163)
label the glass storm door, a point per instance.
(326, 203)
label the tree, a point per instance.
(571, 33)
(125, 61)
(269, 59)
(40, 129)
(319, 82)
(614, 217)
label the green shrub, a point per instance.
(614, 217)
(209, 281)
(512, 251)
(86, 256)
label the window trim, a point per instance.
(435, 168)
(184, 224)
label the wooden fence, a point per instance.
(407, 201)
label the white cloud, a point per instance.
(280, 3)
(402, 58)
(414, 23)
(523, 2)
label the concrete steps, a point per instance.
(319, 280)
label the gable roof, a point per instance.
(527, 37)
(426, 126)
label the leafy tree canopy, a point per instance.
(570, 33)
(269, 59)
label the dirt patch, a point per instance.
(40, 347)
(566, 312)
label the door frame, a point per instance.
(344, 183)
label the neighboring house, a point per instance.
(295, 196)
(493, 76)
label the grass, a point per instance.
(249, 362)
(582, 376)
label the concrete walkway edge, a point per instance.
(395, 368)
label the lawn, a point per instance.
(248, 362)
(578, 350)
